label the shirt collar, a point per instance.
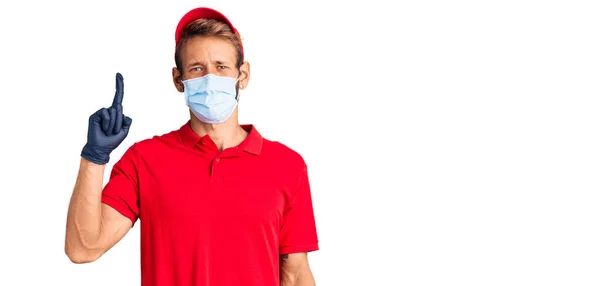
(252, 144)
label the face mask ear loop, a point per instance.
(237, 88)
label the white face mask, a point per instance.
(211, 98)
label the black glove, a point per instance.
(107, 128)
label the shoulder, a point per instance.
(154, 143)
(288, 165)
(283, 154)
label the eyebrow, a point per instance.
(215, 62)
(194, 64)
(222, 62)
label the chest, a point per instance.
(213, 188)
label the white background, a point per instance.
(448, 142)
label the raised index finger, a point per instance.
(119, 91)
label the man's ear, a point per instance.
(244, 75)
(177, 81)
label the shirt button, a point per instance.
(218, 159)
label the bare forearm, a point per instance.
(84, 216)
(296, 272)
(303, 278)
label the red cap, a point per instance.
(202, 12)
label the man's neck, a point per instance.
(225, 135)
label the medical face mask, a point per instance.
(211, 98)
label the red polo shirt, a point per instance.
(213, 218)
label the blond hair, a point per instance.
(208, 28)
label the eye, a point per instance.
(196, 69)
(222, 67)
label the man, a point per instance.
(218, 204)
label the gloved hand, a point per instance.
(107, 128)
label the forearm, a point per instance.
(295, 272)
(84, 215)
(303, 278)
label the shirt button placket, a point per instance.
(217, 174)
(215, 177)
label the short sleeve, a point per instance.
(121, 191)
(298, 230)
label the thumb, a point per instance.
(127, 123)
